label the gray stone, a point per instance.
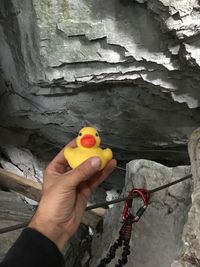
(130, 68)
(156, 239)
(21, 162)
(98, 195)
(12, 211)
(190, 255)
(7, 239)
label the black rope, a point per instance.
(103, 204)
(13, 228)
(112, 252)
(126, 230)
(122, 241)
(106, 203)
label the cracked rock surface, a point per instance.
(130, 68)
(157, 238)
(190, 255)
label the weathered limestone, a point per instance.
(191, 235)
(21, 162)
(156, 239)
(12, 211)
(130, 68)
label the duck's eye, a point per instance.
(80, 134)
(96, 134)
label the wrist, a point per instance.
(56, 233)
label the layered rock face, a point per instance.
(131, 68)
(128, 67)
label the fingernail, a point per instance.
(96, 163)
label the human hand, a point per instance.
(65, 195)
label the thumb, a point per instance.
(83, 172)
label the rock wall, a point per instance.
(128, 67)
(190, 256)
(131, 68)
(157, 238)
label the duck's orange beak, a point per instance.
(88, 140)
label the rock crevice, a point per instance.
(134, 62)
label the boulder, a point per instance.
(156, 238)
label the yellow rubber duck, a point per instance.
(88, 142)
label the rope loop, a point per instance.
(126, 229)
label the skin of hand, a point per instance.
(65, 194)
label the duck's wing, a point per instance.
(108, 154)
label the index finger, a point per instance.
(59, 163)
